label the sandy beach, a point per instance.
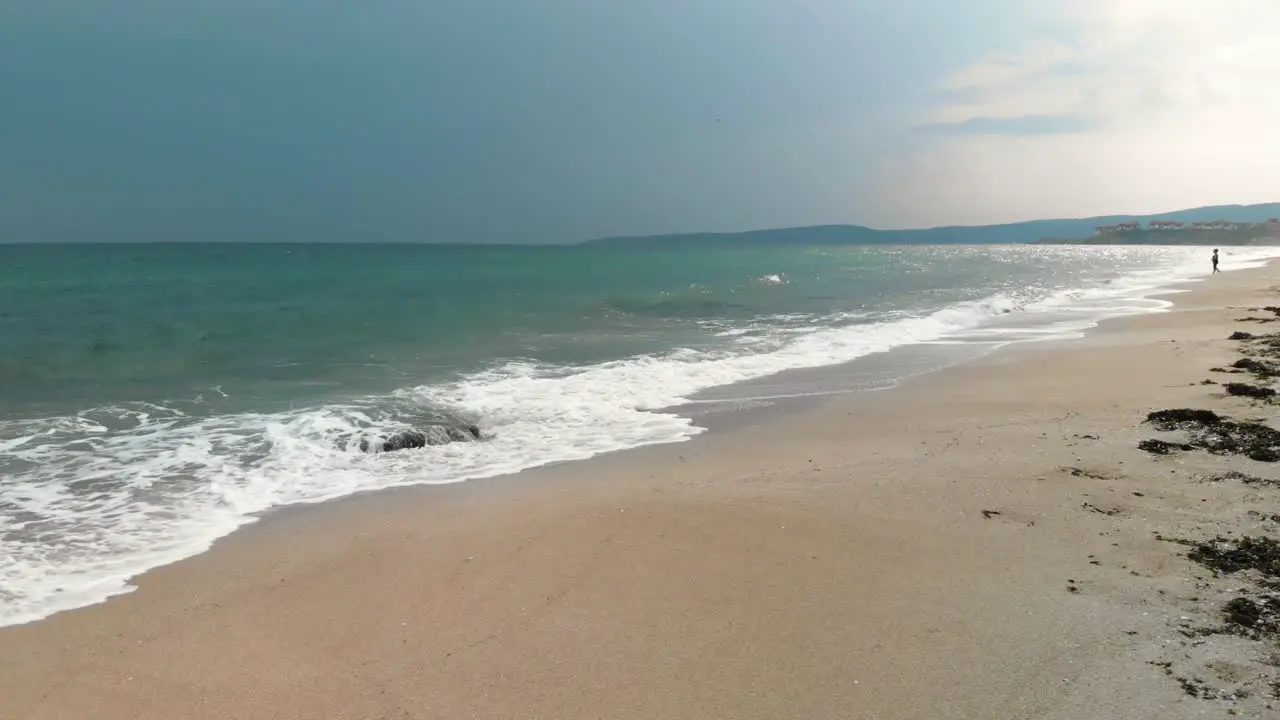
(983, 542)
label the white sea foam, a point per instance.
(93, 499)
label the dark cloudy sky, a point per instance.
(561, 120)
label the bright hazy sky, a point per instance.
(562, 120)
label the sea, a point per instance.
(156, 397)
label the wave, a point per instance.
(95, 498)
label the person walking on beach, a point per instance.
(1215, 260)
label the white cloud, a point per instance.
(1180, 100)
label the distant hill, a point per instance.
(1261, 233)
(1023, 232)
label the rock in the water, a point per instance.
(1241, 335)
(413, 439)
(1246, 390)
(406, 440)
(464, 433)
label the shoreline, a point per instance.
(835, 561)
(1063, 314)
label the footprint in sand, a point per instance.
(1087, 473)
(1013, 516)
(1108, 510)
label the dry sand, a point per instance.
(835, 563)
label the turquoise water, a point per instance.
(271, 324)
(274, 324)
(155, 397)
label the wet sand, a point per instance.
(983, 542)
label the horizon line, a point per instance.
(602, 238)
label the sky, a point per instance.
(563, 120)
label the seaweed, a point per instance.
(1181, 417)
(1162, 447)
(1227, 556)
(1257, 367)
(1253, 440)
(1253, 618)
(1246, 390)
(1210, 431)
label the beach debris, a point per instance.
(1180, 418)
(1253, 618)
(990, 513)
(1241, 335)
(1196, 688)
(1257, 367)
(1104, 511)
(1245, 478)
(1162, 447)
(1247, 390)
(1210, 431)
(1263, 346)
(1225, 556)
(1253, 440)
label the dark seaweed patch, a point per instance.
(1257, 367)
(1209, 431)
(1253, 440)
(1176, 419)
(1226, 556)
(1247, 390)
(1253, 618)
(1162, 447)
